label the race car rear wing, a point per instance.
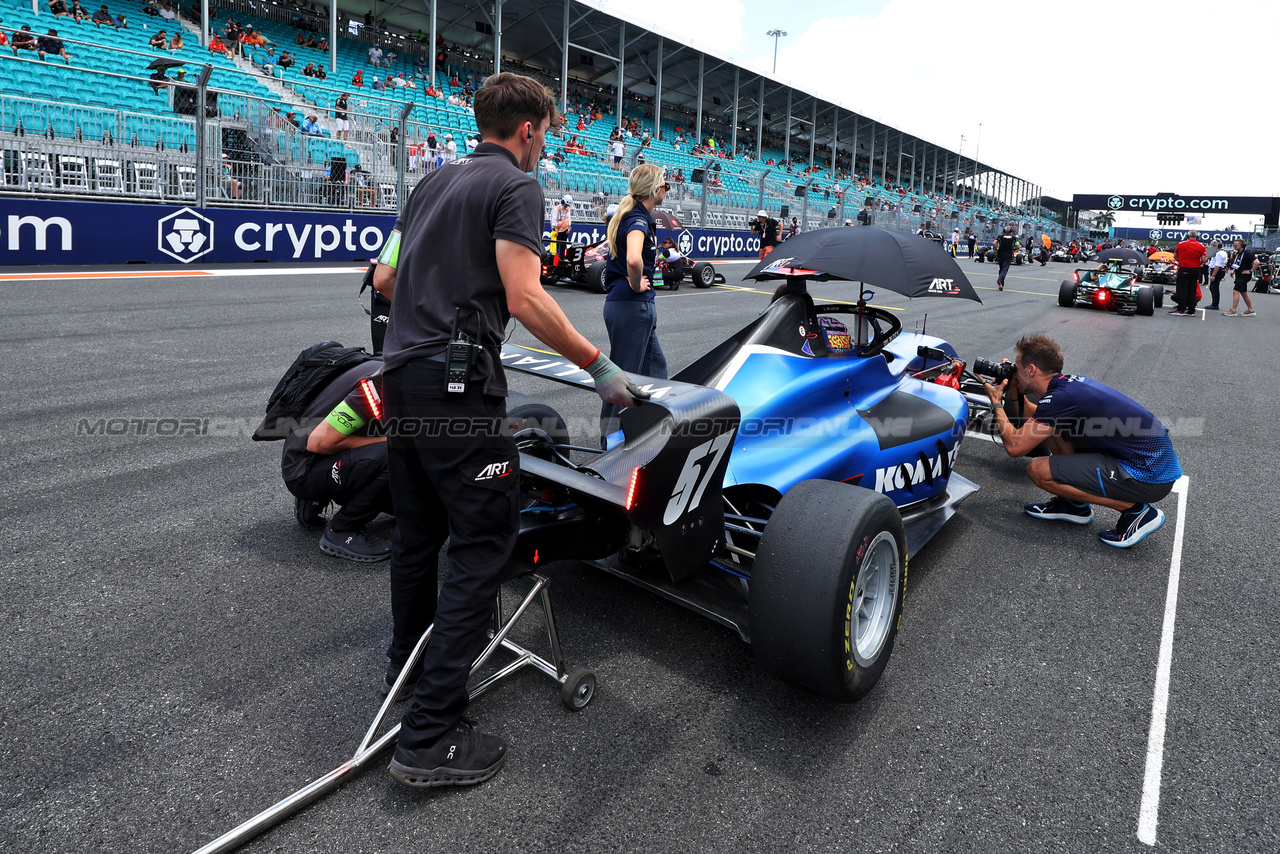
(668, 471)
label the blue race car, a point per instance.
(777, 485)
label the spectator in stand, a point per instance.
(390, 58)
(52, 44)
(375, 56)
(159, 41)
(175, 43)
(300, 39)
(292, 118)
(78, 12)
(269, 62)
(102, 16)
(287, 60)
(408, 82)
(377, 85)
(450, 152)
(156, 77)
(357, 80)
(216, 45)
(309, 70)
(167, 11)
(58, 8)
(341, 115)
(121, 23)
(323, 44)
(311, 126)
(23, 39)
(150, 8)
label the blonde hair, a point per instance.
(644, 182)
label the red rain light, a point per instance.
(371, 397)
(1104, 295)
(631, 487)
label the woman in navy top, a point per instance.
(629, 313)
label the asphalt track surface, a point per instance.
(180, 655)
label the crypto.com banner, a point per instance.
(38, 231)
(1171, 203)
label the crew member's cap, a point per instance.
(448, 136)
(568, 200)
(611, 210)
(762, 213)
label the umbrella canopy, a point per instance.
(166, 62)
(1161, 256)
(1047, 241)
(903, 263)
(1118, 253)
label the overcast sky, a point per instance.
(1125, 96)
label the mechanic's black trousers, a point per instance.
(453, 474)
(356, 479)
(1184, 293)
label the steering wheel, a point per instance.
(884, 323)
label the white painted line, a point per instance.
(1149, 813)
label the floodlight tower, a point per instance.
(777, 34)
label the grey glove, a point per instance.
(612, 384)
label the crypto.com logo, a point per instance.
(685, 243)
(1115, 203)
(1155, 234)
(185, 235)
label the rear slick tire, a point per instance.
(827, 588)
(1067, 294)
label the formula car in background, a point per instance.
(777, 485)
(1161, 268)
(1113, 287)
(585, 264)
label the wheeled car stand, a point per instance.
(577, 687)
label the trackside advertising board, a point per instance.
(1179, 234)
(1172, 203)
(37, 231)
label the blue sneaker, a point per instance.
(1133, 526)
(1062, 510)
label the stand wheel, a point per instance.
(578, 689)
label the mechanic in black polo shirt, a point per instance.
(469, 258)
(1005, 245)
(1105, 448)
(331, 457)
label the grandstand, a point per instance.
(105, 125)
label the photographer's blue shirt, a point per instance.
(1097, 418)
(615, 280)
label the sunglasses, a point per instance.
(666, 186)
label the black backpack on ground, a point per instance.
(315, 368)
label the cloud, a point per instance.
(714, 25)
(1086, 97)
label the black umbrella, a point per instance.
(166, 62)
(1119, 253)
(903, 263)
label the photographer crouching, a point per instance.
(1105, 448)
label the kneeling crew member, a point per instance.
(332, 457)
(1106, 449)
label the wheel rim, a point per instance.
(874, 600)
(583, 692)
(708, 275)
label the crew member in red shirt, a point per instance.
(1191, 256)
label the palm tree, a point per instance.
(1106, 219)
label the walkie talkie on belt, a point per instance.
(459, 359)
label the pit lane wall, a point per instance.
(39, 231)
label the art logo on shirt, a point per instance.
(336, 472)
